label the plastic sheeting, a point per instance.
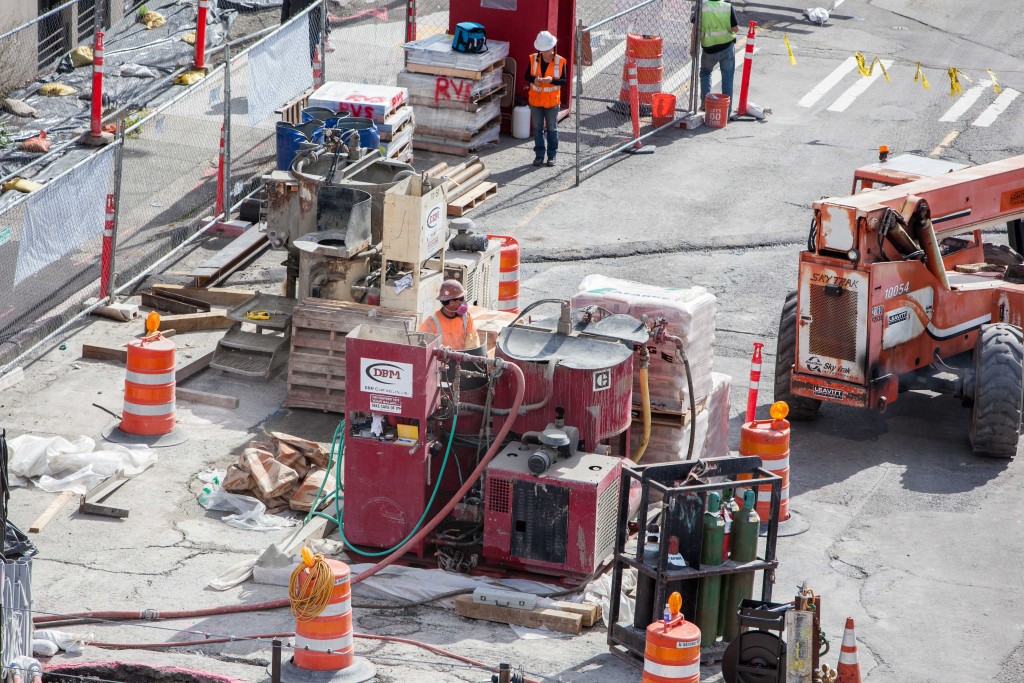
(56, 464)
(58, 222)
(287, 52)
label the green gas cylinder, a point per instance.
(710, 592)
(743, 546)
(729, 510)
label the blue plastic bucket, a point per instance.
(328, 116)
(368, 135)
(290, 137)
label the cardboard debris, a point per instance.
(285, 472)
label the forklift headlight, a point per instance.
(853, 255)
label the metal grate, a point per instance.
(607, 507)
(833, 324)
(498, 495)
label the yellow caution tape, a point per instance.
(995, 83)
(792, 59)
(882, 67)
(954, 81)
(866, 70)
(920, 75)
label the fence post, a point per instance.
(109, 264)
(410, 21)
(226, 186)
(579, 92)
(323, 45)
(200, 60)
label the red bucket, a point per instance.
(663, 109)
(716, 110)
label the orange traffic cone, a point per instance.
(849, 669)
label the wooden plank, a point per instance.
(554, 620)
(195, 322)
(227, 260)
(438, 70)
(206, 398)
(193, 368)
(50, 512)
(472, 106)
(590, 612)
(103, 352)
(226, 297)
(316, 380)
(162, 303)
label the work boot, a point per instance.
(539, 161)
(550, 163)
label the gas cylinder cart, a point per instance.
(682, 547)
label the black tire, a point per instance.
(998, 391)
(1001, 255)
(800, 407)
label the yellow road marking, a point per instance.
(945, 143)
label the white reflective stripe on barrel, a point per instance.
(509, 276)
(764, 497)
(670, 671)
(775, 465)
(653, 63)
(508, 304)
(334, 644)
(337, 609)
(644, 87)
(144, 378)
(148, 411)
(847, 657)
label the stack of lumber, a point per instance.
(284, 473)
(560, 616)
(465, 184)
(456, 95)
(386, 105)
(316, 366)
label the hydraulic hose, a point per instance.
(689, 387)
(645, 401)
(153, 615)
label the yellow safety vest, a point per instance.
(545, 94)
(715, 23)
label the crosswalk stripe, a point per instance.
(965, 102)
(616, 51)
(829, 82)
(858, 88)
(996, 108)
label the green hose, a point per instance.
(336, 456)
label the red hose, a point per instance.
(274, 636)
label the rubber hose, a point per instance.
(645, 399)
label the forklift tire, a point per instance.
(998, 391)
(1002, 255)
(800, 407)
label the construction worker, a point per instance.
(546, 77)
(718, 28)
(453, 321)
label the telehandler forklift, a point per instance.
(897, 290)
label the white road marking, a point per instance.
(858, 88)
(996, 108)
(617, 51)
(965, 102)
(828, 83)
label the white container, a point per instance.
(521, 122)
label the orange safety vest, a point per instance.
(456, 333)
(545, 94)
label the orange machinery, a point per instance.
(897, 289)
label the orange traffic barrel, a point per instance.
(672, 652)
(508, 275)
(649, 69)
(149, 387)
(325, 642)
(768, 440)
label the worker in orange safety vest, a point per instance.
(546, 77)
(452, 321)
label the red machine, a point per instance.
(392, 457)
(518, 22)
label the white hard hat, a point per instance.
(544, 41)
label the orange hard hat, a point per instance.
(451, 289)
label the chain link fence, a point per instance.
(607, 30)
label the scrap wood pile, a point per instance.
(465, 184)
(284, 473)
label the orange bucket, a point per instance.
(716, 110)
(663, 109)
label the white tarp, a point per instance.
(285, 52)
(56, 464)
(64, 215)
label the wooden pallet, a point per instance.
(471, 105)
(316, 366)
(468, 201)
(291, 112)
(459, 135)
(444, 146)
(669, 418)
(437, 70)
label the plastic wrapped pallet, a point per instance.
(377, 102)
(437, 51)
(449, 88)
(716, 443)
(690, 315)
(456, 123)
(670, 443)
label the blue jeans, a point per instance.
(544, 118)
(726, 61)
